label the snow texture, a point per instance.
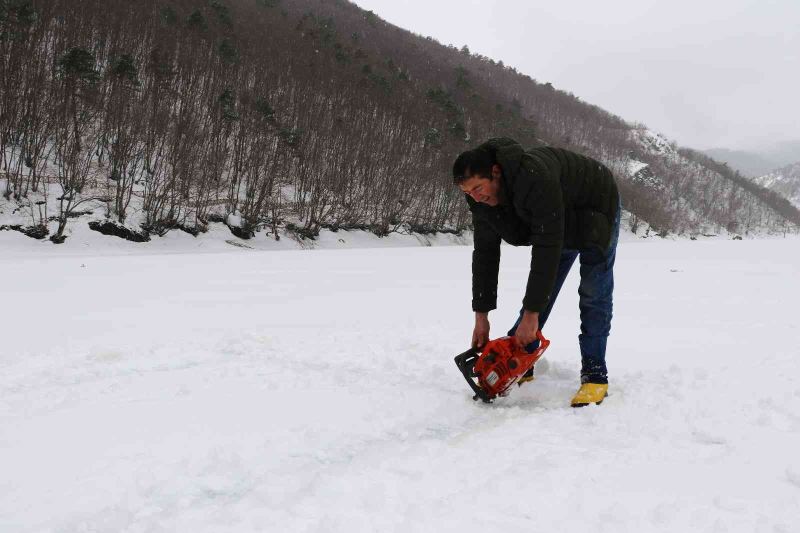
(635, 166)
(161, 388)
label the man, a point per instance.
(562, 204)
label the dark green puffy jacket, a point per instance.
(551, 199)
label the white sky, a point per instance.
(705, 73)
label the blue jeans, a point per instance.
(596, 302)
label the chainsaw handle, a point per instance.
(543, 343)
(466, 363)
(542, 340)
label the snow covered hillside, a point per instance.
(683, 191)
(315, 391)
(785, 180)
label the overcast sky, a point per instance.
(706, 73)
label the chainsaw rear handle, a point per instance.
(543, 343)
(541, 339)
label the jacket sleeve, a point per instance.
(485, 266)
(538, 194)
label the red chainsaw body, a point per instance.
(502, 362)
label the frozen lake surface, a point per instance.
(237, 390)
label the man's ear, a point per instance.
(497, 172)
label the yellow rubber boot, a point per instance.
(590, 393)
(526, 377)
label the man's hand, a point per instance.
(526, 331)
(480, 335)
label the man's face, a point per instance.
(482, 190)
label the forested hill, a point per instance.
(298, 114)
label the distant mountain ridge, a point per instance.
(784, 153)
(750, 164)
(757, 162)
(784, 181)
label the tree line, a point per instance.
(280, 114)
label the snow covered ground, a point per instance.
(244, 390)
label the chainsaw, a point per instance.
(492, 370)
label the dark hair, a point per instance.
(475, 162)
